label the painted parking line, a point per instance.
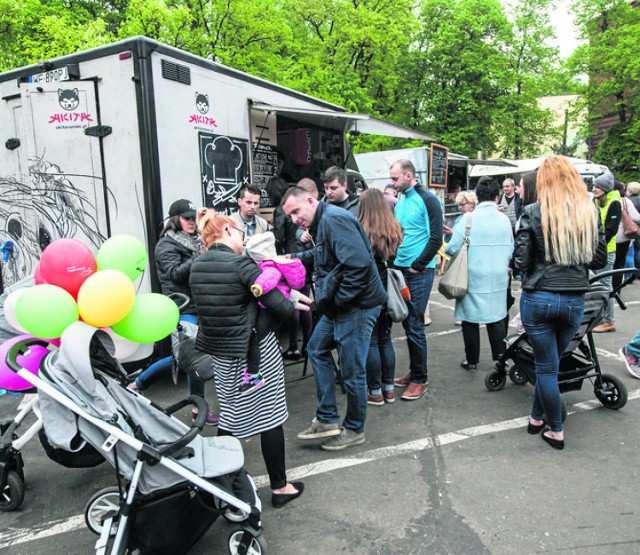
(16, 536)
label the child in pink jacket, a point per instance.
(288, 275)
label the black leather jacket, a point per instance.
(541, 275)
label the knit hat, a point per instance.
(262, 246)
(604, 182)
(184, 208)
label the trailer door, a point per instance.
(65, 172)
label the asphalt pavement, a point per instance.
(452, 473)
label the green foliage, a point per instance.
(463, 71)
(620, 151)
(610, 58)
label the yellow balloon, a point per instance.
(105, 298)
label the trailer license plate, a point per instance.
(61, 74)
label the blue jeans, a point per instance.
(381, 358)
(419, 285)
(163, 366)
(350, 332)
(551, 320)
(634, 346)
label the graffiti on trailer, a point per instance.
(58, 208)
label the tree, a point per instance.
(610, 58)
(454, 78)
(523, 126)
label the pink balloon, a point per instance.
(67, 263)
(29, 361)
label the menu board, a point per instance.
(224, 169)
(265, 166)
(438, 166)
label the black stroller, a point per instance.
(580, 361)
(172, 482)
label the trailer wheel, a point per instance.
(257, 546)
(610, 391)
(12, 494)
(495, 380)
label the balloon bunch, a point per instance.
(72, 283)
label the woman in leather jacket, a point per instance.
(558, 240)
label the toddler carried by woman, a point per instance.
(288, 275)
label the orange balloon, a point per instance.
(105, 298)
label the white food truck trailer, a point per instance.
(101, 142)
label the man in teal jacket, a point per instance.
(420, 214)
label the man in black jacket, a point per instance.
(349, 295)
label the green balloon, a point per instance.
(125, 253)
(152, 318)
(46, 310)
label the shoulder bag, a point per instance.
(454, 283)
(397, 291)
(631, 229)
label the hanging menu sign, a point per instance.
(438, 166)
(265, 166)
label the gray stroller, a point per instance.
(172, 482)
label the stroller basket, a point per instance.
(573, 368)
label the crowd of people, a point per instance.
(244, 277)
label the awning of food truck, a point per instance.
(344, 121)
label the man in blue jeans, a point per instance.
(420, 214)
(349, 294)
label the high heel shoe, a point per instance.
(534, 429)
(555, 443)
(279, 500)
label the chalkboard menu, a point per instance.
(224, 168)
(265, 166)
(438, 165)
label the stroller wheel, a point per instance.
(232, 514)
(495, 381)
(12, 494)
(104, 501)
(610, 391)
(517, 376)
(257, 546)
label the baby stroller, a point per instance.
(172, 482)
(580, 361)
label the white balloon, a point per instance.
(124, 347)
(10, 309)
(143, 351)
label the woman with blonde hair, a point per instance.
(385, 236)
(220, 283)
(559, 239)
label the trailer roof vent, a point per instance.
(176, 72)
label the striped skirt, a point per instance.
(259, 410)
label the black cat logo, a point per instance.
(69, 99)
(202, 102)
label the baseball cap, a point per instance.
(184, 208)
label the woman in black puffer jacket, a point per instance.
(220, 283)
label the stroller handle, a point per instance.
(20, 348)
(615, 293)
(195, 429)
